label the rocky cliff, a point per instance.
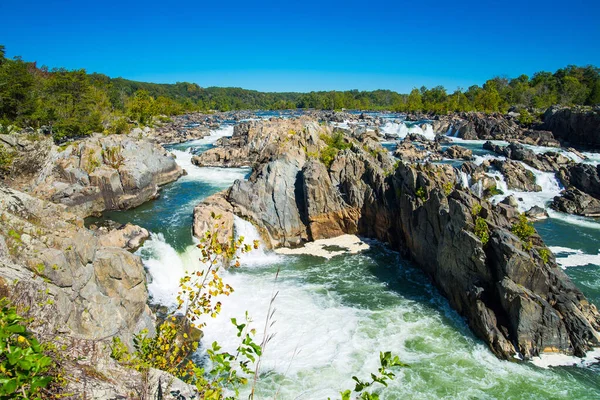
(79, 287)
(510, 289)
(577, 126)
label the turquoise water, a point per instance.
(334, 316)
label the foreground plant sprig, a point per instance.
(387, 361)
(173, 344)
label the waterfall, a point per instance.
(250, 234)
(465, 179)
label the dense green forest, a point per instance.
(72, 103)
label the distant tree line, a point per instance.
(73, 103)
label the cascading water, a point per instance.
(401, 130)
(258, 256)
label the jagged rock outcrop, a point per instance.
(517, 177)
(269, 197)
(128, 236)
(584, 177)
(104, 173)
(256, 142)
(214, 213)
(515, 297)
(574, 201)
(406, 151)
(458, 152)
(548, 162)
(582, 194)
(577, 125)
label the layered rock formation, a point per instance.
(577, 126)
(513, 295)
(104, 173)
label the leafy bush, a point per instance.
(448, 188)
(420, 193)
(482, 230)
(492, 191)
(525, 118)
(335, 143)
(327, 156)
(544, 255)
(476, 209)
(119, 126)
(23, 365)
(387, 361)
(524, 229)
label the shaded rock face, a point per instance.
(577, 126)
(270, 198)
(584, 177)
(512, 298)
(582, 194)
(574, 201)
(105, 173)
(495, 126)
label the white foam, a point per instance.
(574, 219)
(578, 258)
(401, 130)
(165, 268)
(551, 188)
(347, 244)
(223, 131)
(548, 360)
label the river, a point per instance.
(332, 317)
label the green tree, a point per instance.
(415, 101)
(140, 107)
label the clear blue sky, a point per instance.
(303, 46)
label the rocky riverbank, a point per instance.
(508, 287)
(96, 174)
(81, 288)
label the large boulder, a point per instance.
(105, 173)
(574, 201)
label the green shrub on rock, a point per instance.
(524, 229)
